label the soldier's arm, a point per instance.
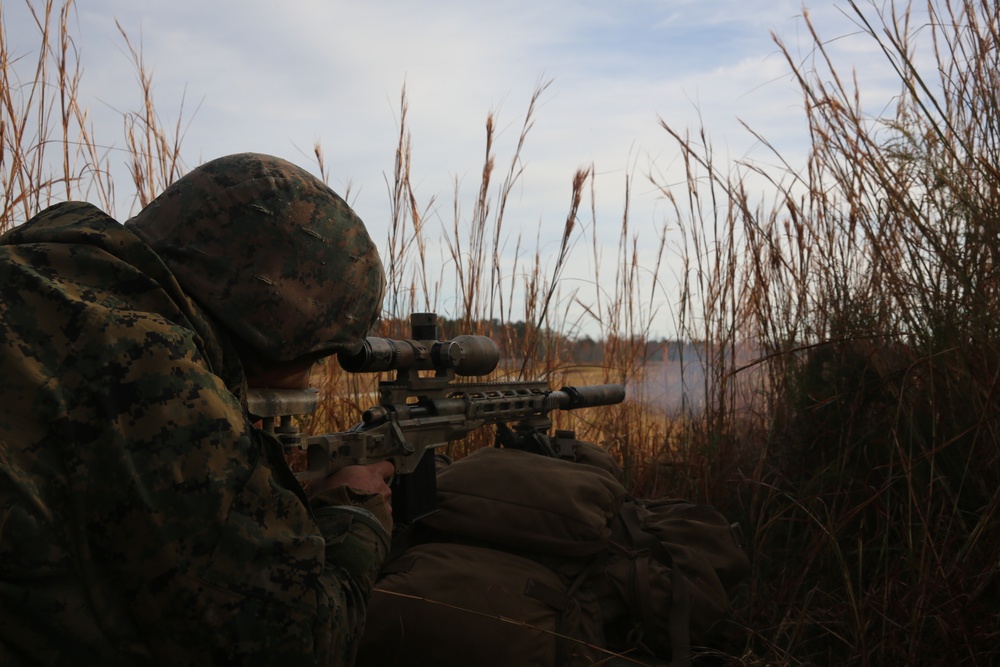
(225, 558)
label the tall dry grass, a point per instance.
(504, 290)
(848, 324)
(48, 149)
(870, 452)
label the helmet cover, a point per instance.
(270, 251)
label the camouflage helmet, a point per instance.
(271, 252)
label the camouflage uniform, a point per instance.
(143, 520)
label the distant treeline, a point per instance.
(588, 351)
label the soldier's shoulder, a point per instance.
(53, 223)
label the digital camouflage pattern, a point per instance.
(142, 519)
(271, 251)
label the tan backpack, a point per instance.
(534, 560)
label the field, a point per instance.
(847, 333)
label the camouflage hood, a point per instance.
(270, 251)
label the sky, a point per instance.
(279, 77)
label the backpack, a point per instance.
(536, 560)
(454, 604)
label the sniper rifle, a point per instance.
(422, 409)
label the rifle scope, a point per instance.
(465, 355)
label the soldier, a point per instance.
(143, 519)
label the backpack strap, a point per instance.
(546, 595)
(680, 605)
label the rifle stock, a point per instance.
(418, 413)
